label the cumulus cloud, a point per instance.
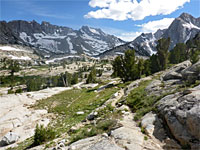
(132, 9)
(153, 26)
(129, 36)
(149, 27)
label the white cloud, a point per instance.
(129, 36)
(122, 34)
(153, 26)
(132, 9)
(100, 3)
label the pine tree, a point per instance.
(147, 69)
(126, 66)
(178, 54)
(117, 67)
(154, 65)
(92, 76)
(194, 56)
(162, 52)
(13, 67)
(74, 78)
(140, 67)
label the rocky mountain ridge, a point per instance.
(53, 39)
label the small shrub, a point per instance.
(106, 124)
(142, 130)
(145, 138)
(42, 135)
(10, 91)
(19, 91)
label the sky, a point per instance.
(125, 19)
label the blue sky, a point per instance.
(123, 18)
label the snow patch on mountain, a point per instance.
(9, 48)
(84, 49)
(19, 58)
(71, 48)
(61, 58)
(51, 45)
(25, 37)
(46, 36)
(72, 34)
(191, 26)
(187, 38)
(94, 31)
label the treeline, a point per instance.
(63, 80)
(35, 83)
(129, 67)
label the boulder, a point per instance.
(95, 143)
(60, 145)
(175, 71)
(154, 87)
(172, 75)
(191, 73)
(148, 123)
(9, 138)
(182, 116)
(128, 138)
(92, 115)
(80, 113)
(181, 66)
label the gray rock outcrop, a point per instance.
(182, 116)
(175, 72)
(94, 143)
(192, 73)
(9, 138)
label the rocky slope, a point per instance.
(174, 126)
(23, 54)
(53, 39)
(182, 29)
(18, 117)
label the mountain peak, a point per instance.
(186, 17)
(45, 23)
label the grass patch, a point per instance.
(107, 123)
(66, 104)
(23, 145)
(142, 102)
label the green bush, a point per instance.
(34, 84)
(10, 91)
(106, 125)
(92, 76)
(43, 135)
(194, 56)
(145, 138)
(19, 91)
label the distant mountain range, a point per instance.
(52, 39)
(182, 29)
